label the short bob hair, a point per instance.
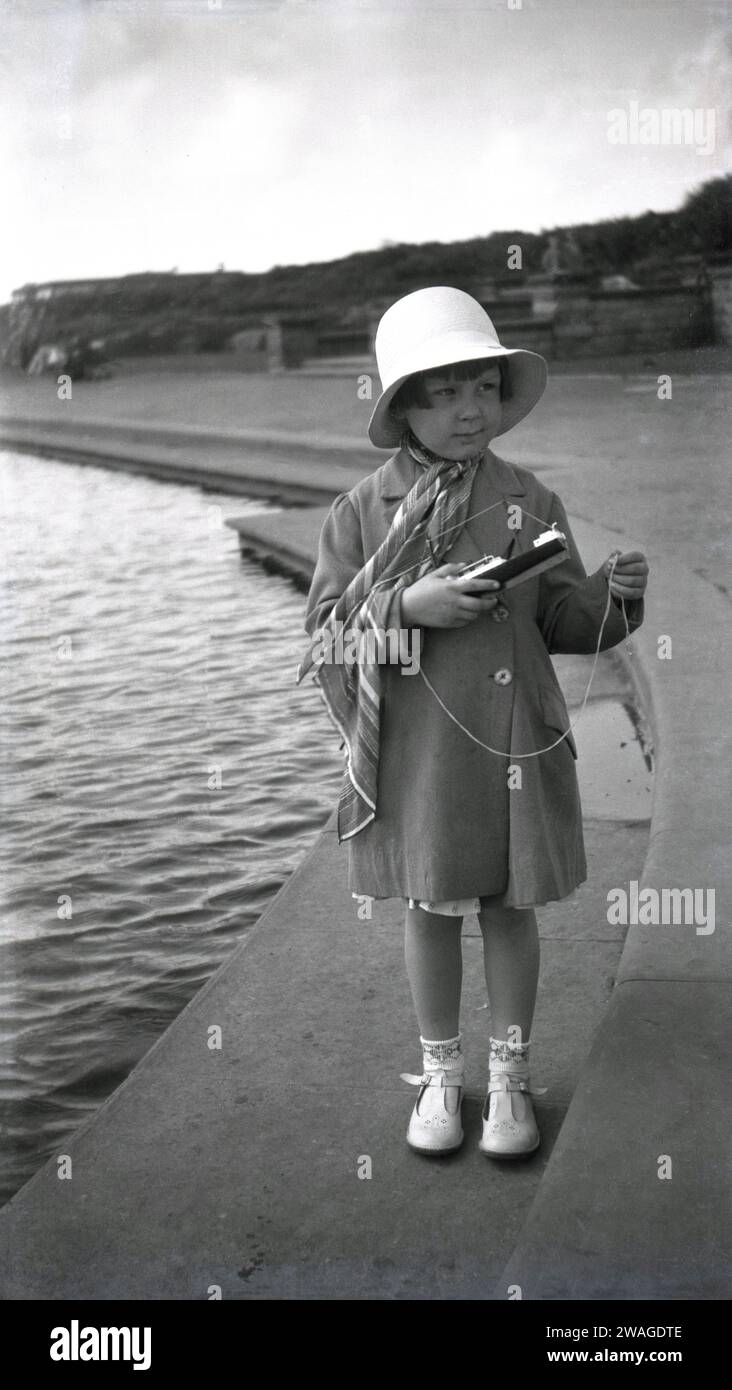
(412, 392)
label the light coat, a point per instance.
(447, 824)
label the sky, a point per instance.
(250, 133)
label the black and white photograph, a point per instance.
(366, 666)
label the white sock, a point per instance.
(508, 1056)
(442, 1055)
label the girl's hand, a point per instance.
(631, 574)
(439, 599)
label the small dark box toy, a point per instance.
(549, 549)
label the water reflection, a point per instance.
(162, 775)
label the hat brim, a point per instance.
(528, 373)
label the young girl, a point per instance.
(460, 793)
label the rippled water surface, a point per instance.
(162, 775)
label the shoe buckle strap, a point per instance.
(505, 1082)
(440, 1078)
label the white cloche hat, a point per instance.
(437, 327)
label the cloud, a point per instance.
(266, 133)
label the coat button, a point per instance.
(499, 614)
(503, 677)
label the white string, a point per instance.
(537, 751)
(389, 579)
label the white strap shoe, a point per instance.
(509, 1125)
(435, 1126)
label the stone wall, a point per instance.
(567, 316)
(721, 278)
(586, 320)
(561, 315)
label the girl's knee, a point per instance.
(494, 916)
(420, 920)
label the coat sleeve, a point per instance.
(340, 557)
(572, 603)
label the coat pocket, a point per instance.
(555, 714)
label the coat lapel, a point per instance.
(496, 487)
(495, 482)
(397, 476)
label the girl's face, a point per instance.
(462, 417)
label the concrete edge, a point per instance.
(602, 1225)
(194, 1002)
(244, 463)
(302, 442)
(273, 479)
(279, 558)
(693, 750)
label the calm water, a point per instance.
(162, 775)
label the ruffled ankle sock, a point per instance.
(442, 1055)
(508, 1056)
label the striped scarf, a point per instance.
(425, 527)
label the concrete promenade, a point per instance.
(239, 1167)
